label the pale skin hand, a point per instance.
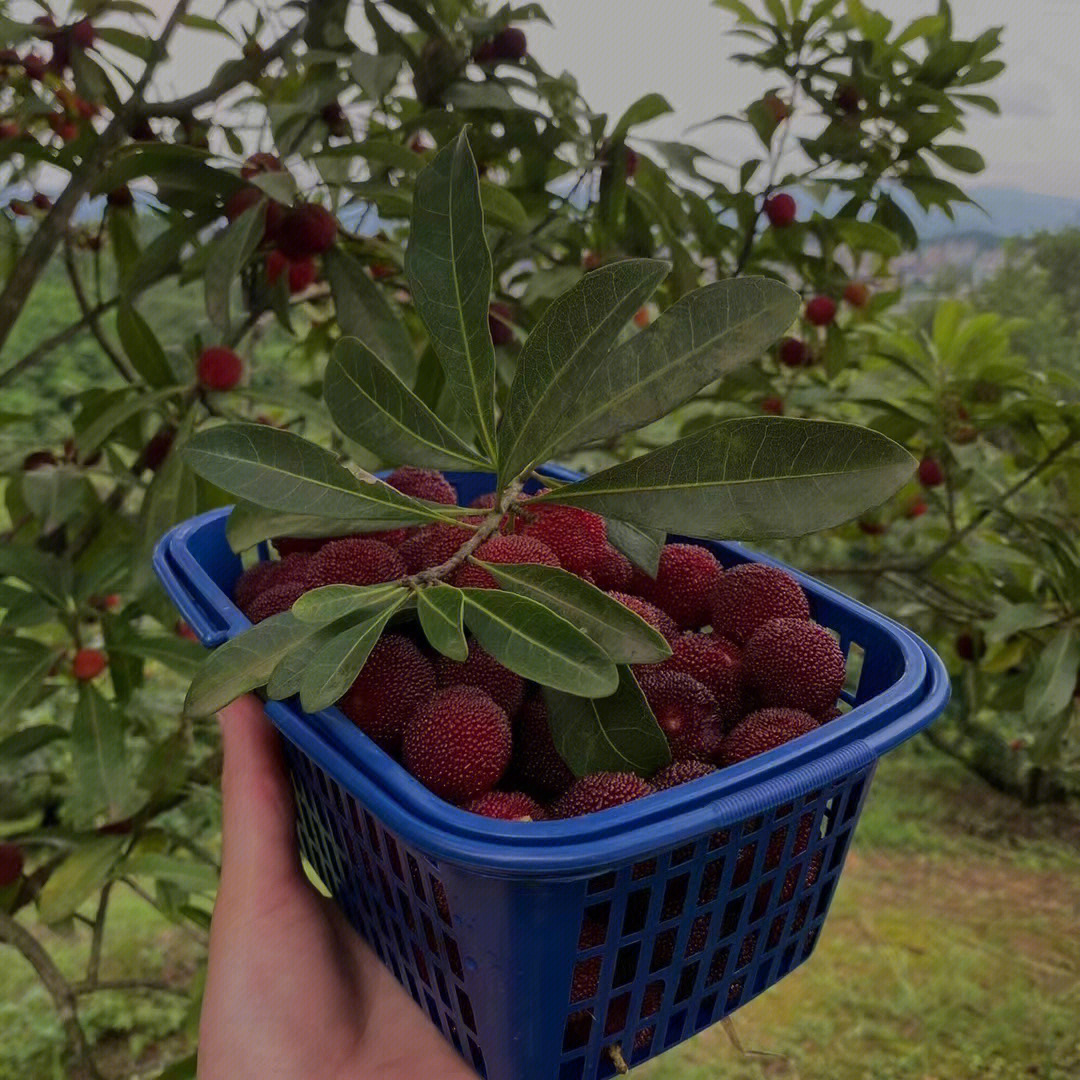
(292, 993)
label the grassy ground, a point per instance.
(951, 953)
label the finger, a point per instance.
(259, 852)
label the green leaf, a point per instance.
(449, 270)
(705, 335)
(622, 634)
(287, 677)
(1012, 618)
(100, 766)
(78, 877)
(566, 347)
(331, 602)
(102, 426)
(641, 111)
(375, 73)
(229, 253)
(640, 546)
(24, 664)
(43, 572)
(364, 312)
(28, 740)
(336, 666)
(442, 609)
(374, 408)
(244, 663)
(186, 874)
(281, 471)
(1053, 680)
(538, 644)
(176, 653)
(501, 208)
(57, 496)
(961, 158)
(611, 734)
(249, 525)
(141, 347)
(750, 477)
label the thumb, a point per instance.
(259, 850)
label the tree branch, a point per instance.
(94, 963)
(60, 990)
(91, 319)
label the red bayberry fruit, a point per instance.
(88, 664)
(764, 730)
(183, 630)
(536, 764)
(432, 546)
(632, 162)
(578, 537)
(795, 663)
(382, 270)
(482, 671)
(11, 864)
(499, 319)
(507, 806)
(614, 571)
(354, 560)
(657, 619)
(219, 368)
(749, 595)
(600, 791)
(302, 274)
(9, 130)
(41, 201)
(685, 711)
(307, 229)
(716, 664)
(685, 577)
(857, 294)
(260, 162)
(83, 35)
(120, 196)
(394, 682)
(266, 575)
(848, 99)
(502, 549)
(275, 600)
(508, 44)
(772, 405)
(641, 318)
(458, 743)
(820, 310)
(276, 265)
(873, 527)
(680, 772)
(916, 509)
(423, 484)
(970, 646)
(592, 260)
(794, 352)
(34, 66)
(780, 209)
(931, 474)
(337, 123)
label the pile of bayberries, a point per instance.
(749, 670)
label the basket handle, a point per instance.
(937, 691)
(210, 628)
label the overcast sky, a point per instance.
(620, 49)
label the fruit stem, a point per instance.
(617, 1059)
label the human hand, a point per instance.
(292, 992)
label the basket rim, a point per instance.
(578, 845)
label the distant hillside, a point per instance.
(1001, 212)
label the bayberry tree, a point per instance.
(250, 253)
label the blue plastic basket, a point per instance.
(693, 901)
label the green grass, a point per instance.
(951, 953)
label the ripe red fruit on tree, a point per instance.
(794, 352)
(483, 672)
(600, 791)
(795, 663)
(120, 196)
(641, 318)
(536, 764)
(302, 274)
(337, 123)
(780, 209)
(916, 509)
(394, 682)
(684, 709)
(715, 663)
(657, 619)
(67, 129)
(931, 474)
(499, 316)
(857, 294)
(11, 864)
(507, 806)
(432, 545)
(591, 260)
(457, 743)
(820, 310)
(578, 537)
(306, 229)
(508, 44)
(873, 527)
(749, 595)
(614, 571)
(88, 664)
(260, 162)
(83, 35)
(848, 99)
(41, 201)
(34, 66)
(502, 549)
(680, 772)
(276, 265)
(354, 560)
(632, 162)
(772, 405)
(685, 577)
(183, 630)
(764, 730)
(970, 646)
(9, 130)
(219, 368)
(382, 270)
(423, 484)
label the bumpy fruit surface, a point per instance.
(482, 671)
(820, 310)
(291, 545)
(354, 560)
(780, 210)
(578, 537)
(88, 664)
(600, 791)
(432, 545)
(794, 352)
(715, 663)
(219, 368)
(536, 764)
(458, 743)
(680, 772)
(423, 484)
(795, 663)
(614, 571)
(764, 730)
(265, 575)
(11, 864)
(502, 549)
(305, 230)
(394, 682)
(931, 474)
(657, 619)
(685, 711)
(275, 600)
(685, 577)
(751, 594)
(507, 806)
